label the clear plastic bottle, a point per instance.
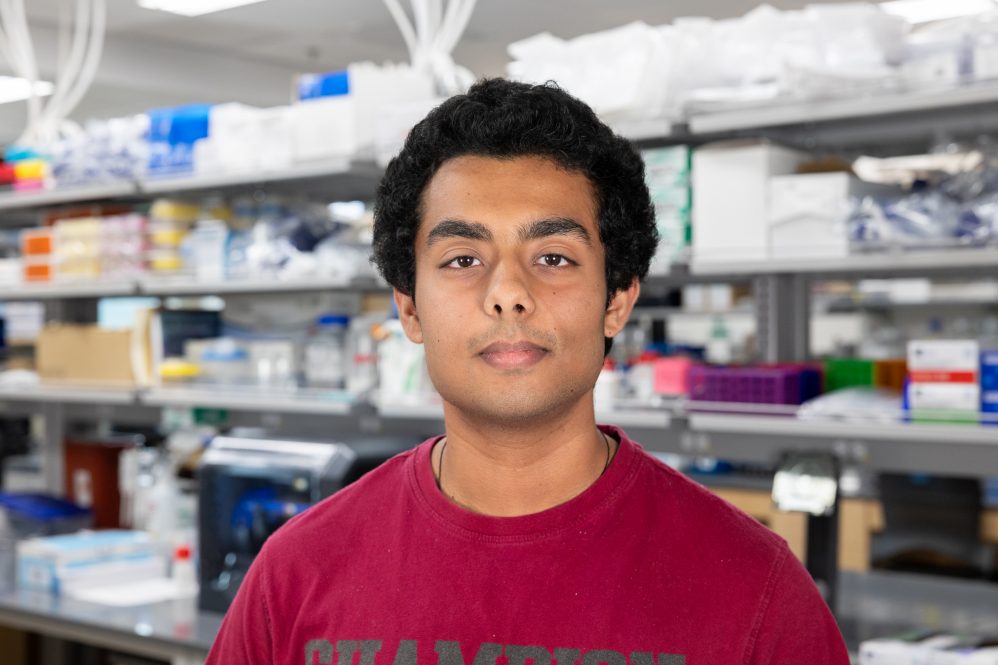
(362, 368)
(326, 353)
(719, 343)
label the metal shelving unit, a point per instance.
(298, 402)
(964, 261)
(51, 197)
(969, 450)
(783, 309)
(856, 107)
(346, 177)
(154, 286)
(58, 291)
(68, 394)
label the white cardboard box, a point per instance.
(730, 194)
(939, 355)
(945, 397)
(807, 213)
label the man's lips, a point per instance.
(512, 355)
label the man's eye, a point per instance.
(463, 262)
(555, 261)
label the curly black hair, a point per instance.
(506, 119)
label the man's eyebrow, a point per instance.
(554, 226)
(456, 228)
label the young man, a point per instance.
(515, 228)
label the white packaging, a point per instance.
(209, 242)
(393, 124)
(58, 564)
(807, 213)
(967, 653)
(245, 139)
(10, 272)
(730, 198)
(944, 397)
(605, 391)
(986, 60)
(341, 126)
(904, 650)
(954, 355)
(325, 128)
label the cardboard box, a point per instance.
(730, 198)
(85, 354)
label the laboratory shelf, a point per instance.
(411, 411)
(882, 603)
(968, 261)
(175, 631)
(958, 449)
(67, 394)
(66, 291)
(849, 305)
(647, 129)
(654, 419)
(854, 108)
(314, 402)
(162, 286)
(169, 286)
(342, 178)
(50, 197)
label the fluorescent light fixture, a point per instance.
(923, 11)
(194, 7)
(14, 89)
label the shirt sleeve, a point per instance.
(795, 624)
(246, 635)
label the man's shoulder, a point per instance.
(705, 518)
(357, 505)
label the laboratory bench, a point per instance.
(175, 631)
(873, 604)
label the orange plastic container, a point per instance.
(37, 271)
(36, 242)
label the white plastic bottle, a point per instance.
(326, 353)
(184, 575)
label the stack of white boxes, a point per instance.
(667, 173)
(808, 213)
(751, 204)
(731, 198)
(944, 381)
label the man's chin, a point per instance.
(515, 411)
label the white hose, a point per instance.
(92, 60)
(439, 25)
(71, 67)
(467, 7)
(404, 26)
(23, 52)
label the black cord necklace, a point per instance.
(443, 446)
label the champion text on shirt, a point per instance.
(321, 652)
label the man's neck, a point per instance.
(507, 472)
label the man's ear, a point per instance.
(620, 308)
(408, 317)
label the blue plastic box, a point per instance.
(330, 84)
(172, 135)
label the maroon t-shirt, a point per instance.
(645, 567)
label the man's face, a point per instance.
(510, 296)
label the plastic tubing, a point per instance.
(95, 49)
(71, 69)
(404, 26)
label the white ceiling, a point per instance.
(251, 53)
